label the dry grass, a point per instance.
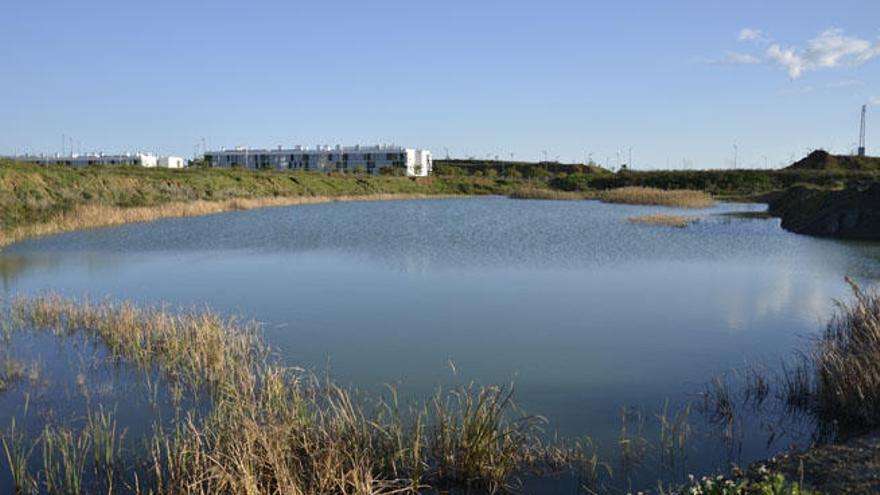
(840, 380)
(680, 198)
(192, 347)
(677, 221)
(91, 216)
(272, 429)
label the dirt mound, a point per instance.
(822, 160)
(844, 214)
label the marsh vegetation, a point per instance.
(678, 198)
(229, 418)
(267, 428)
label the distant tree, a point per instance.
(491, 172)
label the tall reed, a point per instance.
(17, 454)
(680, 198)
(839, 381)
(273, 429)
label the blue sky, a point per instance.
(678, 82)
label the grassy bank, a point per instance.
(733, 184)
(39, 200)
(46, 199)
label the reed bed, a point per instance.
(677, 221)
(100, 215)
(269, 428)
(679, 198)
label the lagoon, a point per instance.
(584, 312)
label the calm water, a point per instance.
(584, 311)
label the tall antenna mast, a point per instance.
(862, 131)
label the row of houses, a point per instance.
(378, 159)
(82, 160)
(369, 159)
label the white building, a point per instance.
(369, 159)
(77, 160)
(171, 162)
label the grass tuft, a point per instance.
(840, 380)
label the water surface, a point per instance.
(583, 311)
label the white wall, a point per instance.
(149, 161)
(171, 162)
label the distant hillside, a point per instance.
(822, 160)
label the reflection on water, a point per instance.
(586, 312)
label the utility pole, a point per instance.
(862, 131)
(735, 155)
(629, 162)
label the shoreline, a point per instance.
(85, 217)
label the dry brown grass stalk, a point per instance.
(680, 198)
(840, 379)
